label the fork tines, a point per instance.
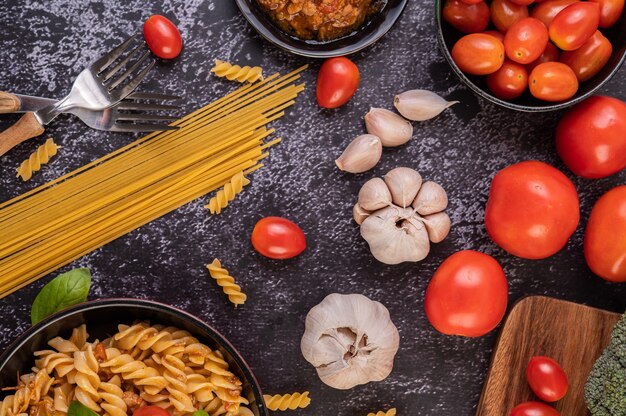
(133, 116)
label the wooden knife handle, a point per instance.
(25, 128)
(9, 103)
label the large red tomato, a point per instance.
(605, 236)
(162, 37)
(534, 409)
(478, 54)
(532, 210)
(468, 295)
(526, 40)
(591, 137)
(504, 13)
(278, 238)
(576, 23)
(610, 11)
(553, 81)
(466, 18)
(547, 379)
(590, 58)
(337, 82)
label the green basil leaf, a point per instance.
(65, 290)
(79, 409)
(198, 413)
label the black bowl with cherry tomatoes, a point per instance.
(102, 318)
(449, 35)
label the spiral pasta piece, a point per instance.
(227, 282)
(287, 401)
(225, 195)
(39, 157)
(390, 412)
(177, 383)
(87, 378)
(112, 394)
(237, 73)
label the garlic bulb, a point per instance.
(392, 129)
(400, 216)
(362, 154)
(421, 105)
(350, 340)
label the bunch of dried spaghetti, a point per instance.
(67, 218)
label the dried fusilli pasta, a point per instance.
(39, 157)
(227, 193)
(237, 73)
(287, 401)
(227, 282)
(390, 412)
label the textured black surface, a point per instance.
(45, 43)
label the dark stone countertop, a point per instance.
(46, 43)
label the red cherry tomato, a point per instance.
(526, 40)
(546, 379)
(150, 411)
(472, 1)
(605, 236)
(523, 2)
(550, 54)
(466, 18)
(547, 10)
(278, 238)
(590, 58)
(504, 13)
(553, 81)
(478, 54)
(337, 82)
(591, 137)
(495, 34)
(162, 37)
(534, 409)
(508, 82)
(610, 11)
(467, 296)
(532, 210)
(576, 23)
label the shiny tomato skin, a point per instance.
(496, 34)
(546, 379)
(532, 210)
(150, 411)
(590, 58)
(574, 25)
(466, 18)
(550, 54)
(591, 137)
(610, 11)
(523, 2)
(547, 11)
(478, 54)
(605, 236)
(508, 82)
(337, 82)
(526, 40)
(553, 81)
(467, 295)
(534, 409)
(278, 238)
(472, 1)
(162, 37)
(504, 13)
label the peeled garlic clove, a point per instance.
(403, 184)
(421, 105)
(374, 195)
(362, 154)
(359, 214)
(431, 198)
(437, 226)
(392, 129)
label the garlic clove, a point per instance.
(362, 154)
(359, 214)
(437, 226)
(374, 194)
(421, 105)
(392, 129)
(431, 198)
(404, 184)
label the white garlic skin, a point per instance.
(403, 184)
(392, 129)
(359, 214)
(374, 194)
(350, 340)
(438, 226)
(362, 154)
(431, 198)
(421, 105)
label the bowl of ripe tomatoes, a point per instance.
(533, 55)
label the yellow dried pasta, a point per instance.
(225, 195)
(287, 401)
(237, 73)
(390, 412)
(227, 282)
(40, 157)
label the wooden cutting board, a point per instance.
(574, 335)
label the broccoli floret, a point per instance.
(605, 391)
